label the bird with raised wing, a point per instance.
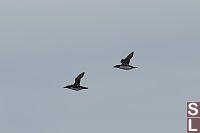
(76, 86)
(125, 63)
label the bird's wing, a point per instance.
(128, 58)
(78, 78)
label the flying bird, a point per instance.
(125, 63)
(76, 86)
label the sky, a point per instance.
(44, 45)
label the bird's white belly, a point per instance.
(125, 67)
(76, 89)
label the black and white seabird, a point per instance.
(125, 63)
(76, 86)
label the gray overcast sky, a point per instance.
(45, 44)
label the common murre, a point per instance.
(76, 86)
(125, 63)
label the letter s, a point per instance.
(190, 106)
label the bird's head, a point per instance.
(116, 66)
